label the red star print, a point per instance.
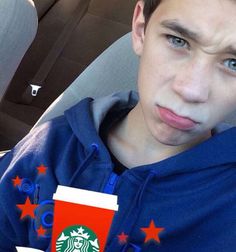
(17, 181)
(41, 231)
(27, 209)
(122, 237)
(41, 169)
(152, 232)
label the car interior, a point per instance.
(81, 48)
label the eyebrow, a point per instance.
(230, 50)
(175, 26)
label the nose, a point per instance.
(192, 82)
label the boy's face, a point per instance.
(187, 66)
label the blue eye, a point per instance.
(231, 64)
(177, 42)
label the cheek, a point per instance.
(151, 75)
(156, 71)
(224, 102)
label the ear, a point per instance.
(138, 28)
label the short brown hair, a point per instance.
(149, 8)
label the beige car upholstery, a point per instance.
(18, 28)
(114, 70)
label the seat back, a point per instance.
(114, 70)
(18, 26)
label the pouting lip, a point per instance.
(185, 117)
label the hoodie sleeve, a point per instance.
(15, 229)
(18, 166)
(10, 225)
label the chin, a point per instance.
(170, 136)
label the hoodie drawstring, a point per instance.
(84, 164)
(132, 216)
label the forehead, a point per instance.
(213, 20)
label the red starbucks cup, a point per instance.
(82, 219)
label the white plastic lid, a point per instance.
(86, 197)
(24, 249)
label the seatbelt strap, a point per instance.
(39, 78)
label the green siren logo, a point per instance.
(77, 239)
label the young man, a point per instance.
(173, 171)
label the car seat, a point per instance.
(114, 70)
(18, 28)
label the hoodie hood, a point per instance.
(86, 117)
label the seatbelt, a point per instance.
(39, 78)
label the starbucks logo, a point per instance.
(77, 239)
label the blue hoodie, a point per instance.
(184, 203)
